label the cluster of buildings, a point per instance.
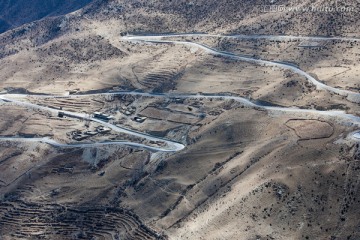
(79, 136)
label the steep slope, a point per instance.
(132, 16)
(17, 12)
(241, 175)
(287, 17)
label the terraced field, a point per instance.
(71, 104)
(162, 78)
(23, 220)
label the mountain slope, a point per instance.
(17, 12)
(246, 173)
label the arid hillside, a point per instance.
(14, 13)
(255, 17)
(107, 135)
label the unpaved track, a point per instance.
(341, 115)
(82, 145)
(171, 146)
(351, 96)
(240, 36)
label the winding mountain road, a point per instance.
(241, 36)
(348, 118)
(351, 96)
(172, 146)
